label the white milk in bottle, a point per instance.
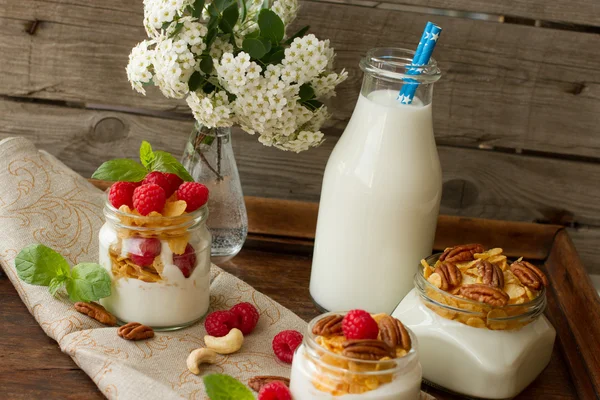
(381, 192)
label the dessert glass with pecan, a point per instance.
(479, 319)
(158, 256)
(356, 355)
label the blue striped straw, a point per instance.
(421, 58)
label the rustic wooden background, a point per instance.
(517, 112)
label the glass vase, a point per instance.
(209, 158)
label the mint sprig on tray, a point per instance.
(40, 265)
(125, 169)
(225, 387)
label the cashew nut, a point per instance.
(227, 344)
(198, 357)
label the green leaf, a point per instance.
(298, 34)
(196, 81)
(178, 28)
(271, 26)
(206, 65)
(88, 282)
(253, 34)
(306, 92)
(208, 88)
(120, 169)
(57, 283)
(39, 265)
(225, 387)
(254, 47)
(165, 162)
(165, 25)
(198, 6)
(146, 154)
(229, 18)
(212, 33)
(274, 56)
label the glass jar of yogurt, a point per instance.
(472, 348)
(159, 266)
(319, 371)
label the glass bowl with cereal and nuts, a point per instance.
(479, 319)
(356, 355)
(159, 263)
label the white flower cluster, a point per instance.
(262, 98)
(138, 69)
(286, 10)
(159, 12)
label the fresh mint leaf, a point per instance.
(120, 169)
(146, 154)
(206, 65)
(196, 81)
(271, 26)
(88, 282)
(39, 265)
(198, 6)
(229, 18)
(298, 34)
(165, 162)
(225, 387)
(306, 92)
(57, 283)
(255, 47)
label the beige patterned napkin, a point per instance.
(42, 200)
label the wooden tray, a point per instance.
(276, 261)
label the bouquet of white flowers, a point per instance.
(234, 64)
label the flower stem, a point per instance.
(197, 148)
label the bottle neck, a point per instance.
(423, 94)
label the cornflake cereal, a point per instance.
(342, 375)
(155, 226)
(484, 305)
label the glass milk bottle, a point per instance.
(381, 191)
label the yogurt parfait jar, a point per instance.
(475, 341)
(328, 366)
(159, 265)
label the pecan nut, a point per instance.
(529, 275)
(450, 274)
(96, 311)
(135, 331)
(485, 294)
(491, 274)
(256, 383)
(393, 333)
(328, 326)
(461, 253)
(367, 349)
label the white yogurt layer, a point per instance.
(174, 301)
(405, 386)
(491, 364)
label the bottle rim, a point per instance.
(528, 310)
(395, 64)
(402, 363)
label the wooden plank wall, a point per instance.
(517, 112)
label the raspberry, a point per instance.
(358, 324)
(149, 197)
(285, 343)
(159, 179)
(122, 193)
(275, 390)
(194, 194)
(186, 262)
(219, 323)
(248, 317)
(143, 251)
(174, 183)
